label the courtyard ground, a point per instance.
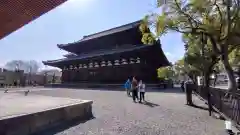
(165, 113)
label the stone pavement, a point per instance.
(115, 113)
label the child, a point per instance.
(141, 89)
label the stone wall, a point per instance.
(32, 123)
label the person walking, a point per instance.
(127, 87)
(188, 92)
(141, 88)
(182, 85)
(134, 89)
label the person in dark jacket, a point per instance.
(134, 89)
(182, 86)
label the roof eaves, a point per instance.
(94, 55)
(104, 33)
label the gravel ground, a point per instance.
(115, 113)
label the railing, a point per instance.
(226, 103)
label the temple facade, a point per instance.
(110, 56)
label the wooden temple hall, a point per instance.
(110, 56)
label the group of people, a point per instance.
(136, 88)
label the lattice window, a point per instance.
(80, 66)
(116, 62)
(138, 60)
(132, 61)
(103, 64)
(124, 62)
(84, 66)
(96, 64)
(90, 65)
(109, 63)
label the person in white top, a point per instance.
(141, 89)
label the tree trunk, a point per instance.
(206, 86)
(232, 85)
(215, 80)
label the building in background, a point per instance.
(10, 77)
(19, 78)
(111, 56)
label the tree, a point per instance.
(165, 72)
(218, 20)
(183, 68)
(27, 66)
(234, 57)
(199, 54)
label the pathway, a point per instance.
(115, 113)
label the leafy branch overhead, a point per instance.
(196, 17)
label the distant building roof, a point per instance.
(16, 13)
(105, 33)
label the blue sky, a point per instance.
(71, 21)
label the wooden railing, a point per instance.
(226, 103)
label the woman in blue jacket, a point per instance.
(127, 86)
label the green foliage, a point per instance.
(165, 72)
(218, 20)
(148, 37)
(195, 17)
(234, 57)
(234, 60)
(181, 67)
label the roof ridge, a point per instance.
(116, 27)
(104, 33)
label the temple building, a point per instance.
(110, 56)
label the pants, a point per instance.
(182, 87)
(134, 94)
(142, 94)
(128, 92)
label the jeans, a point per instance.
(128, 92)
(142, 96)
(134, 94)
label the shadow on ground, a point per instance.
(63, 126)
(198, 107)
(150, 104)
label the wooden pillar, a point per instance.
(67, 75)
(63, 78)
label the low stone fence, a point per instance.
(35, 122)
(224, 102)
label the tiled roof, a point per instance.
(106, 32)
(16, 13)
(97, 54)
(69, 55)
